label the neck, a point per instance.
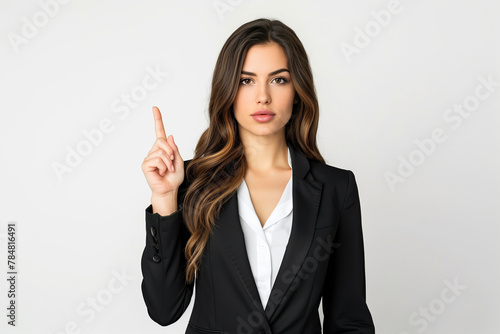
(265, 154)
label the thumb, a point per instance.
(177, 154)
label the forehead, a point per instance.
(265, 58)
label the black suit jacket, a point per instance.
(324, 258)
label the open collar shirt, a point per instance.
(266, 244)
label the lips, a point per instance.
(263, 112)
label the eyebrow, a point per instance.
(270, 74)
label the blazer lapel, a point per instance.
(232, 234)
(306, 199)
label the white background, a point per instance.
(438, 223)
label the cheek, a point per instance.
(238, 107)
(289, 95)
(240, 100)
(289, 100)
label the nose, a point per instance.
(263, 95)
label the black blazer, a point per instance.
(324, 258)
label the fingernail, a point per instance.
(172, 157)
(172, 168)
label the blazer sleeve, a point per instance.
(163, 266)
(344, 294)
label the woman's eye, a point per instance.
(245, 81)
(280, 81)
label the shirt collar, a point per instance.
(283, 208)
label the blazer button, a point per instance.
(153, 231)
(156, 258)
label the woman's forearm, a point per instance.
(166, 204)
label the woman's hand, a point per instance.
(163, 173)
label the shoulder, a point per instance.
(330, 174)
(338, 183)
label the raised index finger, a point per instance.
(159, 129)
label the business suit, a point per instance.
(324, 258)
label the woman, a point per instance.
(256, 218)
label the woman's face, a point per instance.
(265, 87)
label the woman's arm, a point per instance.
(163, 265)
(166, 204)
(344, 294)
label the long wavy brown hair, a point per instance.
(219, 165)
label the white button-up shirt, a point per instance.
(266, 244)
